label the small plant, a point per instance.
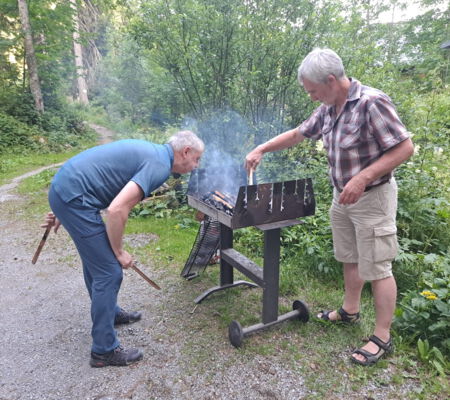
(432, 356)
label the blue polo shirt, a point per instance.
(100, 173)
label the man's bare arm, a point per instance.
(282, 141)
(116, 218)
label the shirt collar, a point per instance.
(354, 93)
(170, 153)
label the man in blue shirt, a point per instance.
(112, 177)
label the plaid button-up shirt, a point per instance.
(367, 127)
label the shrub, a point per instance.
(424, 313)
(14, 133)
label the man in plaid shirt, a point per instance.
(365, 141)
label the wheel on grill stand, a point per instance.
(235, 333)
(303, 312)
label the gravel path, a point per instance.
(45, 333)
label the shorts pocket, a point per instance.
(385, 243)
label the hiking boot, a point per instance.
(118, 357)
(124, 317)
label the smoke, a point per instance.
(228, 139)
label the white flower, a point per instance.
(438, 150)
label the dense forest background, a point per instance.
(227, 69)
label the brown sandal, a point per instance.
(343, 315)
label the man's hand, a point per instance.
(253, 159)
(353, 190)
(125, 259)
(51, 220)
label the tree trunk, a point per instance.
(35, 86)
(78, 52)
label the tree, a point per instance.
(233, 54)
(78, 54)
(35, 85)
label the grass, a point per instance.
(317, 350)
(12, 165)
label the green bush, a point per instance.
(424, 313)
(19, 105)
(14, 133)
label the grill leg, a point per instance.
(226, 270)
(271, 275)
(226, 242)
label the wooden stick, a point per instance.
(220, 200)
(250, 177)
(41, 244)
(133, 266)
(220, 194)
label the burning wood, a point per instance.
(220, 201)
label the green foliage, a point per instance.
(433, 357)
(232, 54)
(132, 88)
(57, 130)
(156, 208)
(249, 239)
(19, 105)
(425, 311)
(14, 133)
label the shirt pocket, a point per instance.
(350, 136)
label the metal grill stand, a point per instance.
(268, 207)
(267, 278)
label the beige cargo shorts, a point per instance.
(365, 232)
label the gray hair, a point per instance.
(320, 63)
(182, 139)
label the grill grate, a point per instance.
(205, 246)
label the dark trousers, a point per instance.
(102, 272)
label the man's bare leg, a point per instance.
(385, 297)
(353, 287)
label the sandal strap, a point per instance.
(386, 346)
(326, 315)
(370, 357)
(346, 317)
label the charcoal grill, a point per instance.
(268, 207)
